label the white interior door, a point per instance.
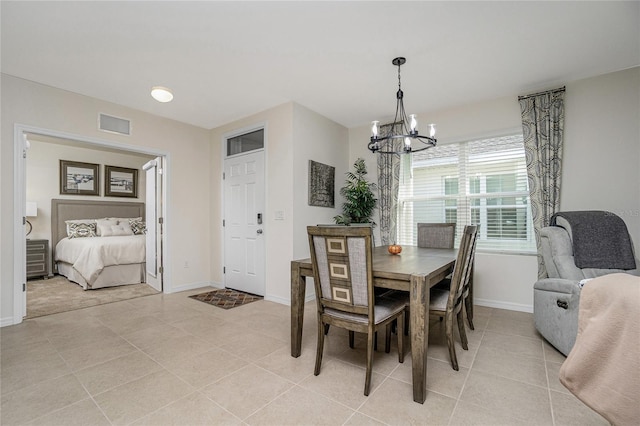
(243, 223)
(154, 222)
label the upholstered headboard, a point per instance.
(62, 210)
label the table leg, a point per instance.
(419, 310)
(298, 289)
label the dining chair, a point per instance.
(442, 235)
(342, 263)
(450, 301)
(436, 235)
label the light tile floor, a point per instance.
(171, 360)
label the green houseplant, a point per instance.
(360, 200)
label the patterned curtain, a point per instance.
(543, 130)
(388, 186)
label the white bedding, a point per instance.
(89, 256)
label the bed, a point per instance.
(94, 260)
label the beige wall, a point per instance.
(601, 166)
(189, 168)
(43, 162)
(319, 139)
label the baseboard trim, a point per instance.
(503, 305)
(5, 322)
(192, 286)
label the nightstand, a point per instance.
(38, 258)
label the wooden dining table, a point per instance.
(415, 270)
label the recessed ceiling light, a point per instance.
(161, 94)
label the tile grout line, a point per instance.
(546, 372)
(455, 407)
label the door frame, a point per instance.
(223, 146)
(19, 199)
(157, 164)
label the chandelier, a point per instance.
(402, 129)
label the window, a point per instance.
(481, 182)
(245, 143)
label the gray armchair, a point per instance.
(556, 298)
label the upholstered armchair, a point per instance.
(556, 299)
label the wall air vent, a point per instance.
(108, 123)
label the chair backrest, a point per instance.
(463, 267)
(436, 235)
(342, 262)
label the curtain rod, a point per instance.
(561, 89)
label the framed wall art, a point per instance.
(79, 178)
(321, 184)
(120, 182)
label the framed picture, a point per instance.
(120, 182)
(79, 178)
(321, 184)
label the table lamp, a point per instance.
(31, 211)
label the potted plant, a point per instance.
(360, 200)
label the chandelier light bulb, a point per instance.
(407, 144)
(374, 128)
(414, 123)
(161, 94)
(432, 130)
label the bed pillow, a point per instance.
(138, 226)
(102, 224)
(81, 228)
(120, 229)
(124, 219)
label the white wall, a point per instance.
(43, 163)
(187, 148)
(294, 135)
(319, 139)
(601, 164)
(601, 152)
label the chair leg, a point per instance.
(468, 307)
(463, 332)
(319, 348)
(407, 316)
(367, 380)
(401, 339)
(448, 322)
(387, 339)
(351, 339)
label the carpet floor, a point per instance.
(57, 294)
(226, 298)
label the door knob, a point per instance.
(259, 231)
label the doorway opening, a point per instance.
(46, 181)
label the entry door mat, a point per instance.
(226, 298)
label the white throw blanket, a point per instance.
(603, 368)
(89, 256)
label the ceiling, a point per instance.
(227, 60)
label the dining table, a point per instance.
(414, 270)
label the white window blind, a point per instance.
(480, 182)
